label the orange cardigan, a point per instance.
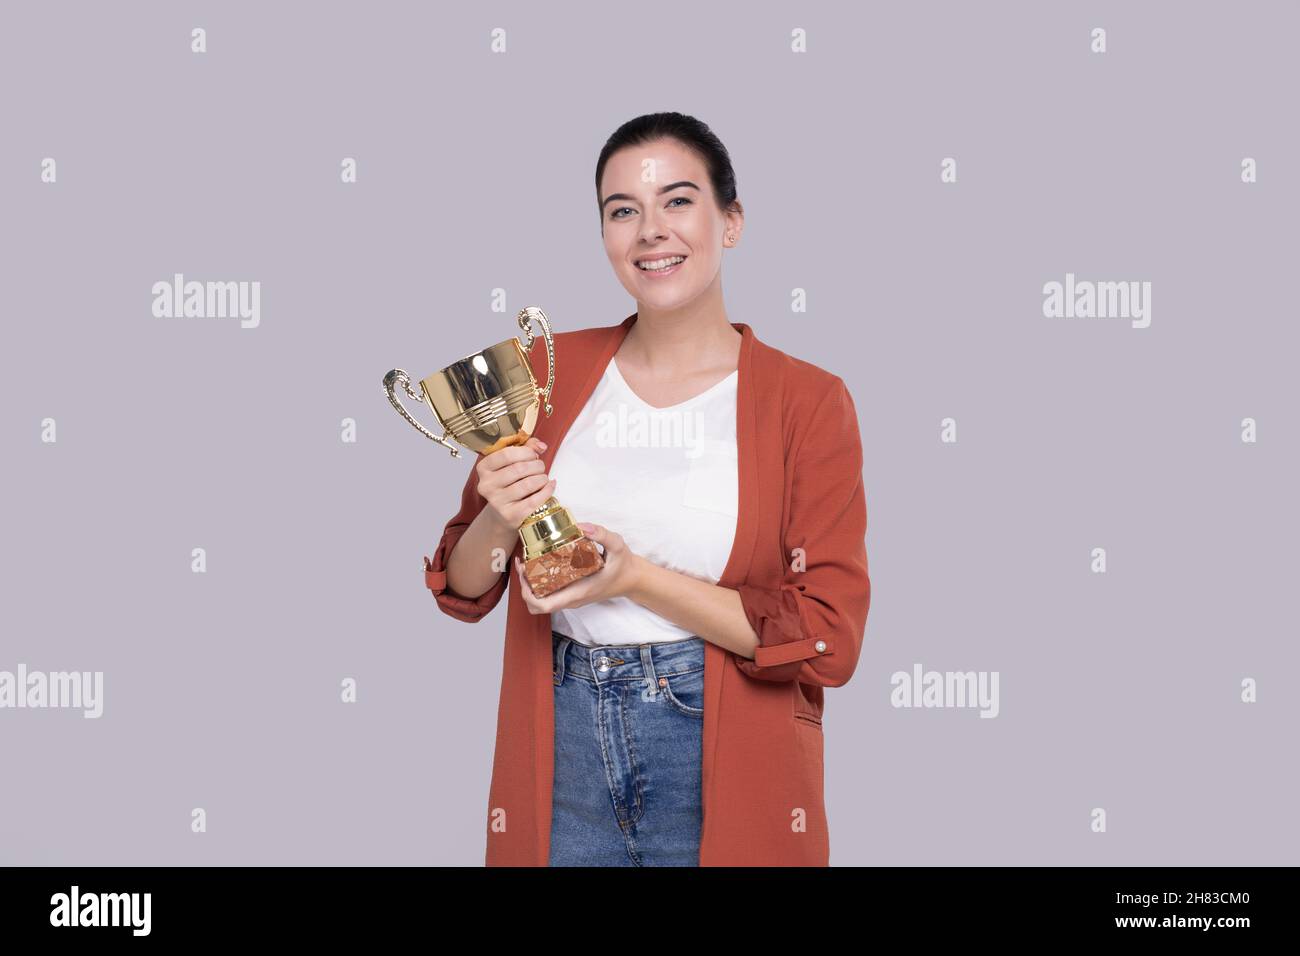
(799, 562)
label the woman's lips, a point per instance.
(662, 273)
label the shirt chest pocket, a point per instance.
(711, 480)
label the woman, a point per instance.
(682, 722)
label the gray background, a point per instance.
(475, 172)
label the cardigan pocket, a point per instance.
(803, 710)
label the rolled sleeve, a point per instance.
(811, 628)
(469, 610)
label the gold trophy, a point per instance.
(486, 402)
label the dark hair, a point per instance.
(687, 130)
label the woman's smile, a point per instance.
(668, 265)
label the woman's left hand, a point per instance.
(615, 579)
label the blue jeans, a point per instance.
(629, 721)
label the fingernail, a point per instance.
(541, 444)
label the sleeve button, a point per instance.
(821, 647)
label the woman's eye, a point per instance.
(615, 213)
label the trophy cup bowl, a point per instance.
(491, 400)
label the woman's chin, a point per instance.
(665, 298)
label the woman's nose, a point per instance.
(650, 230)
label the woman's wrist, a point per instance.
(638, 578)
(502, 533)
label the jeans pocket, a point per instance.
(559, 656)
(684, 692)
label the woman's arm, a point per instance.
(810, 626)
(463, 562)
(706, 610)
(471, 568)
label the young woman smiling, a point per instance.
(682, 722)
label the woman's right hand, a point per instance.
(514, 482)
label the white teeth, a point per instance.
(657, 264)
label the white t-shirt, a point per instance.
(665, 479)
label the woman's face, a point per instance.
(657, 203)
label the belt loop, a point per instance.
(649, 680)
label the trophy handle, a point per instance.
(398, 377)
(533, 312)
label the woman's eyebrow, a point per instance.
(671, 186)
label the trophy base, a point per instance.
(560, 567)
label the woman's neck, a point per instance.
(696, 337)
